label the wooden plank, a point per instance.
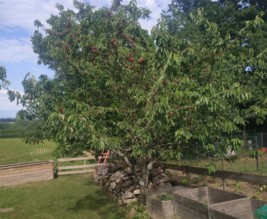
(26, 168)
(26, 172)
(21, 182)
(250, 178)
(5, 210)
(26, 179)
(77, 167)
(15, 171)
(8, 166)
(75, 159)
(26, 176)
(61, 173)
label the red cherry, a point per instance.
(94, 49)
(141, 60)
(61, 110)
(130, 59)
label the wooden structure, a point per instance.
(200, 203)
(74, 167)
(21, 173)
(103, 157)
(250, 178)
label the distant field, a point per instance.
(14, 150)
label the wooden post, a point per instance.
(224, 184)
(189, 178)
(261, 139)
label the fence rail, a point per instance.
(250, 178)
(77, 168)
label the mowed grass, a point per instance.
(64, 197)
(14, 150)
(243, 164)
(75, 196)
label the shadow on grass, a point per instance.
(103, 205)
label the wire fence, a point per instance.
(243, 162)
(255, 139)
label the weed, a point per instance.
(237, 185)
(185, 181)
(140, 211)
(166, 197)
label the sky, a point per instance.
(16, 28)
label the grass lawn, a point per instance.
(242, 164)
(75, 196)
(65, 197)
(14, 150)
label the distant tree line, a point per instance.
(16, 128)
(7, 120)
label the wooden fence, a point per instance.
(250, 178)
(72, 167)
(16, 174)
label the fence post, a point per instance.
(224, 184)
(189, 178)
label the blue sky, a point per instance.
(16, 29)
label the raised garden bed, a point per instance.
(160, 204)
(194, 203)
(240, 208)
(201, 203)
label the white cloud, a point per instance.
(156, 7)
(5, 103)
(3, 92)
(22, 13)
(16, 50)
(99, 3)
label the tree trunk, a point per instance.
(145, 165)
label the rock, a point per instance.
(127, 201)
(119, 180)
(112, 185)
(154, 172)
(117, 175)
(136, 191)
(126, 183)
(128, 170)
(127, 195)
(128, 189)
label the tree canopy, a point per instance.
(101, 60)
(196, 79)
